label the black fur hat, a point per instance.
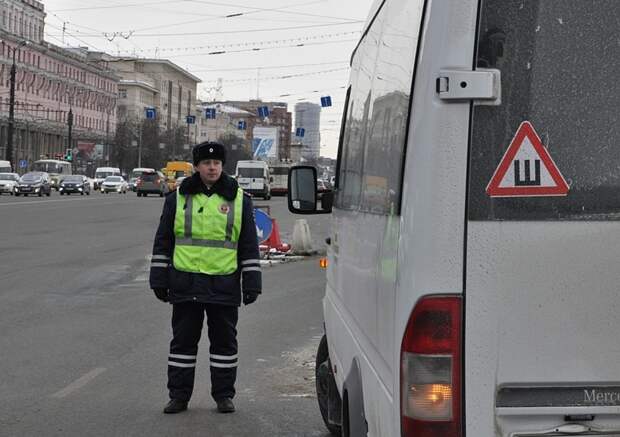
(208, 150)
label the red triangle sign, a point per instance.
(527, 170)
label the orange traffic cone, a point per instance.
(274, 241)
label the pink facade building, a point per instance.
(49, 82)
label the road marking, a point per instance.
(52, 201)
(79, 383)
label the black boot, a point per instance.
(225, 405)
(175, 406)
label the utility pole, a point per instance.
(140, 144)
(70, 124)
(9, 143)
(188, 140)
(11, 127)
(107, 140)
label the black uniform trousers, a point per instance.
(187, 320)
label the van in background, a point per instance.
(5, 167)
(177, 169)
(254, 178)
(103, 172)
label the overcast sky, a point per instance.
(185, 32)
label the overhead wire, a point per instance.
(271, 67)
(257, 49)
(281, 77)
(228, 32)
(250, 43)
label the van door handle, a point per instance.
(328, 240)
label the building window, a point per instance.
(122, 93)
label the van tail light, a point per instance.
(431, 366)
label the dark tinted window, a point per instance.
(559, 60)
(376, 124)
(149, 177)
(248, 172)
(279, 170)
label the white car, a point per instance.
(114, 184)
(8, 182)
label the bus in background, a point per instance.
(55, 168)
(279, 173)
(103, 172)
(177, 169)
(5, 167)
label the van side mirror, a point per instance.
(271, 179)
(302, 192)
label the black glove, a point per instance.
(161, 294)
(249, 297)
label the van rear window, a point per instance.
(251, 172)
(560, 63)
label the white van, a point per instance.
(5, 167)
(279, 177)
(473, 281)
(103, 172)
(253, 177)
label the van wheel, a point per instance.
(323, 379)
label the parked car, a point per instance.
(34, 183)
(114, 184)
(152, 182)
(8, 182)
(74, 184)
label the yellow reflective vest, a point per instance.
(206, 231)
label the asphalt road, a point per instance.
(84, 343)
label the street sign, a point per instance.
(190, 119)
(527, 169)
(263, 111)
(326, 101)
(264, 225)
(23, 163)
(300, 132)
(150, 113)
(210, 113)
(242, 125)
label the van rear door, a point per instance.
(542, 301)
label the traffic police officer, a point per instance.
(205, 256)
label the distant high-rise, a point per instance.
(308, 117)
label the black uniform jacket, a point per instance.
(198, 287)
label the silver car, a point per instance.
(8, 182)
(114, 184)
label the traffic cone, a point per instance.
(274, 241)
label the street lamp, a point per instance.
(9, 142)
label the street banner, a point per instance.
(265, 143)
